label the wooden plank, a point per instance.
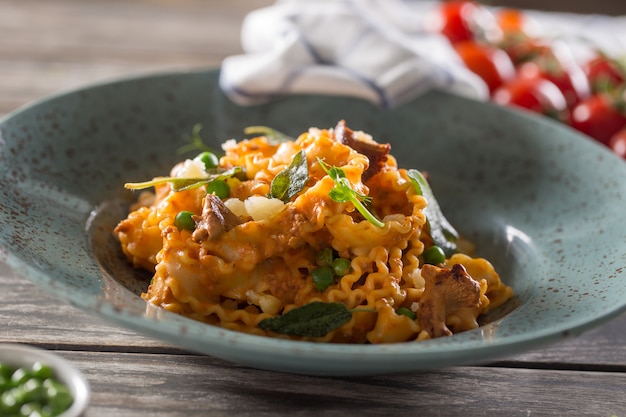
(169, 385)
(603, 347)
(48, 47)
(30, 315)
(610, 7)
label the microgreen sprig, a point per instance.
(195, 142)
(272, 135)
(182, 184)
(343, 192)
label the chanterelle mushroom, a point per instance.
(216, 219)
(446, 292)
(375, 152)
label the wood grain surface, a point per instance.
(51, 46)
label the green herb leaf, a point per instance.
(343, 193)
(406, 312)
(291, 180)
(443, 233)
(272, 135)
(196, 143)
(181, 184)
(313, 320)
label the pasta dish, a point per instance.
(321, 238)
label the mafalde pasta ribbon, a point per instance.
(379, 50)
(321, 238)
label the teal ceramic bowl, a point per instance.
(545, 204)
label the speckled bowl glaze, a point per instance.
(545, 204)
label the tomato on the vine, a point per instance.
(617, 143)
(522, 48)
(599, 116)
(464, 20)
(535, 94)
(490, 63)
(571, 79)
(604, 74)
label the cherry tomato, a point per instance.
(464, 20)
(618, 143)
(604, 73)
(514, 22)
(571, 80)
(599, 116)
(535, 94)
(490, 63)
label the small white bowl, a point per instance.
(23, 356)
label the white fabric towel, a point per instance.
(379, 50)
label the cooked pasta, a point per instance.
(327, 221)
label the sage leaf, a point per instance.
(443, 233)
(291, 180)
(313, 320)
(273, 136)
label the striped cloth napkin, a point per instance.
(378, 50)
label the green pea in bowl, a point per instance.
(38, 382)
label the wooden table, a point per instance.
(48, 46)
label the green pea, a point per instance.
(53, 387)
(210, 160)
(403, 311)
(434, 256)
(5, 377)
(20, 376)
(32, 391)
(41, 371)
(5, 383)
(32, 410)
(325, 256)
(9, 401)
(61, 402)
(341, 266)
(184, 221)
(218, 187)
(6, 370)
(323, 277)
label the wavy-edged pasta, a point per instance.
(250, 257)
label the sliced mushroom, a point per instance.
(375, 152)
(446, 292)
(215, 219)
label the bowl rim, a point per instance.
(17, 354)
(220, 342)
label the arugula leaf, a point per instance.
(343, 193)
(291, 180)
(195, 142)
(443, 233)
(181, 184)
(314, 319)
(272, 135)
